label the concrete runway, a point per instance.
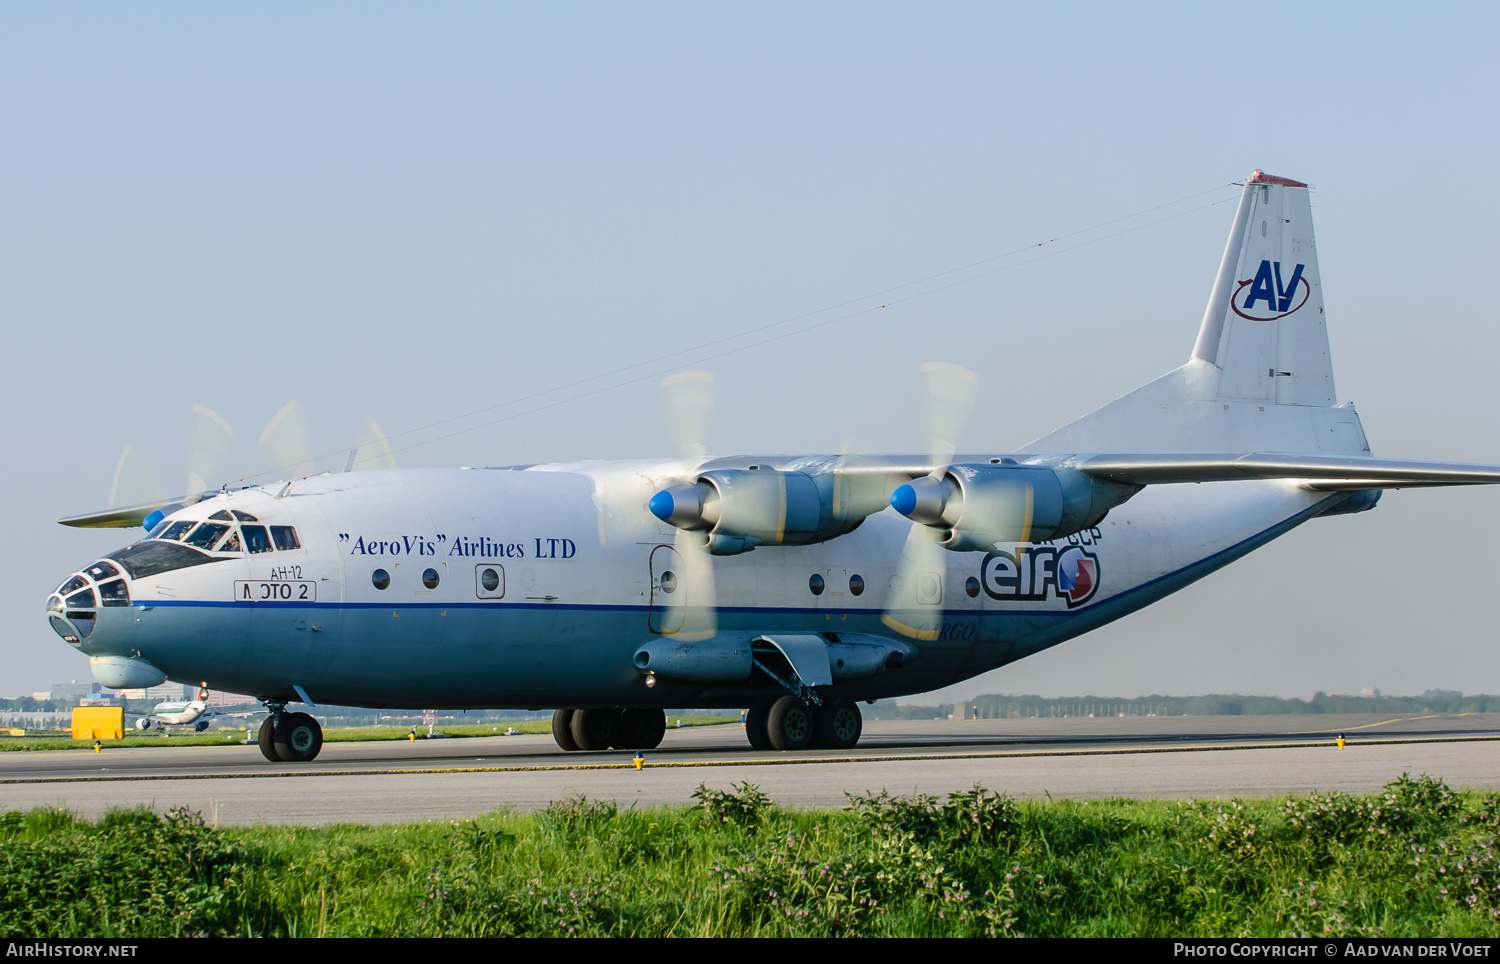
(386, 782)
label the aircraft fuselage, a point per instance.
(533, 588)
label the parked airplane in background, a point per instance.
(194, 713)
(792, 585)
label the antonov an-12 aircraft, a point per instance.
(795, 586)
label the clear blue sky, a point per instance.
(414, 212)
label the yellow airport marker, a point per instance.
(639, 759)
(412, 736)
(1341, 741)
(98, 746)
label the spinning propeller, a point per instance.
(914, 602)
(136, 498)
(689, 596)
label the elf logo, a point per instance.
(1035, 573)
(1281, 298)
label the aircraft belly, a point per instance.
(1156, 544)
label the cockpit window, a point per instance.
(149, 558)
(244, 516)
(231, 542)
(160, 528)
(72, 585)
(286, 537)
(256, 539)
(177, 530)
(101, 570)
(114, 593)
(206, 534)
(82, 600)
(222, 515)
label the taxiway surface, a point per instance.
(384, 782)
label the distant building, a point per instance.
(216, 698)
(157, 694)
(72, 690)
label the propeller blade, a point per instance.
(209, 442)
(132, 484)
(285, 441)
(371, 450)
(950, 397)
(689, 398)
(914, 601)
(696, 594)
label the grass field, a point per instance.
(1415, 860)
(61, 740)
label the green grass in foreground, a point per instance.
(220, 736)
(1416, 860)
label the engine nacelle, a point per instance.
(972, 507)
(143, 724)
(744, 508)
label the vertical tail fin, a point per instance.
(1264, 327)
(1260, 377)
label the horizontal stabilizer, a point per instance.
(1324, 472)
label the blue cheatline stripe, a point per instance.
(1170, 582)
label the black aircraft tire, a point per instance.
(641, 729)
(267, 739)
(595, 729)
(838, 725)
(562, 732)
(298, 738)
(755, 723)
(790, 724)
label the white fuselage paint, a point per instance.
(573, 547)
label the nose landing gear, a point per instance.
(289, 737)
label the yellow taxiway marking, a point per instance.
(1399, 719)
(761, 761)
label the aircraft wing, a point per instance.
(125, 517)
(1323, 472)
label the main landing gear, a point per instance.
(603, 729)
(289, 737)
(787, 723)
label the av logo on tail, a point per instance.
(1267, 286)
